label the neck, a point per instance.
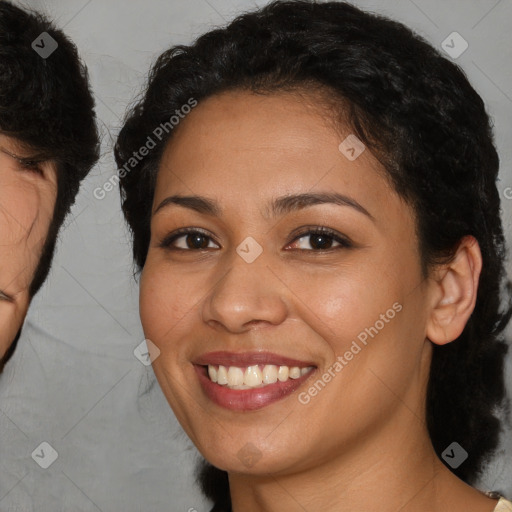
(397, 470)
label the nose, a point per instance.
(248, 295)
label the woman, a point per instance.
(321, 250)
(48, 144)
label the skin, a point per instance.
(361, 443)
(27, 199)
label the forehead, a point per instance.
(258, 144)
(258, 122)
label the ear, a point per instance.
(454, 291)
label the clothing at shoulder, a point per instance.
(503, 506)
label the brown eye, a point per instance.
(193, 239)
(196, 241)
(321, 239)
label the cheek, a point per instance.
(339, 303)
(377, 338)
(24, 222)
(370, 318)
(168, 300)
(19, 207)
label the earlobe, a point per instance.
(454, 291)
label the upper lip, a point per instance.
(242, 359)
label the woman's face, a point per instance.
(322, 336)
(27, 200)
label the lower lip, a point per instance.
(247, 399)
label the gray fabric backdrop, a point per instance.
(74, 381)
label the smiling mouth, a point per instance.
(254, 376)
(249, 388)
(246, 381)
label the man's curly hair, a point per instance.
(420, 116)
(47, 105)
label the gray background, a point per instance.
(74, 381)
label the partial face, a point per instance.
(281, 324)
(28, 193)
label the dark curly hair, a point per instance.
(47, 105)
(420, 116)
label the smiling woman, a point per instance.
(324, 224)
(48, 144)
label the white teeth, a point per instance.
(283, 373)
(222, 376)
(235, 376)
(294, 372)
(212, 373)
(253, 376)
(270, 374)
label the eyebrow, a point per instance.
(277, 207)
(37, 158)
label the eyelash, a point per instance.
(28, 163)
(5, 297)
(31, 165)
(167, 242)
